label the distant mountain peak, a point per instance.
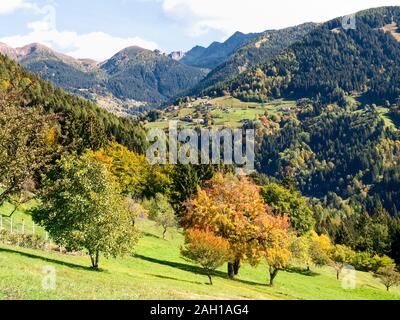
(33, 48)
(217, 52)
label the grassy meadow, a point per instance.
(156, 271)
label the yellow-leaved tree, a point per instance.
(232, 208)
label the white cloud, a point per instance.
(9, 6)
(228, 16)
(95, 45)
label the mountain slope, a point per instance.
(82, 123)
(143, 75)
(263, 47)
(156, 267)
(146, 77)
(217, 52)
(328, 61)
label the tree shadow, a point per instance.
(146, 234)
(195, 269)
(180, 266)
(49, 260)
(176, 279)
(303, 272)
(251, 283)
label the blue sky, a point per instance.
(99, 28)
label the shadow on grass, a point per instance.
(176, 279)
(150, 235)
(303, 272)
(49, 260)
(194, 269)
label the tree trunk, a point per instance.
(387, 288)
(231, 270)
(337, 274)
(95, 259)
(272, 274)
(209, 279)
(165, 231)
(236, 266)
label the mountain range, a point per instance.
(136, 79)
(132, 80)
(301, 61)
(328, 63)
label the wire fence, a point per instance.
(21, 226)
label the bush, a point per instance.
(22, 240)
(365, 261)
(206, 249)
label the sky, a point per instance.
(97, 29)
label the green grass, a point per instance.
(158, 272)
(238, 110)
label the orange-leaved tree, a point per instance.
(206, 249)
(232, 208)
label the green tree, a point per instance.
(82, 209)
(28, 140)
(161, 211)
(166, 220)
(300, 251)
(291, 203)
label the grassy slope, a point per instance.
(158, 272)
(239, 111)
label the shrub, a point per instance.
(206, 249)
(365, 261)
(22, 240)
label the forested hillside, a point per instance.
(82, 123)
(260, 48)
(142, 77)
(330, 61)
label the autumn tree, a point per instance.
(82, 209)
(206, 249)
(320, 249)
(229, 207)
(340, 257)
(300, 251)
(133, 172)
(274, 240)
(389, 277)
